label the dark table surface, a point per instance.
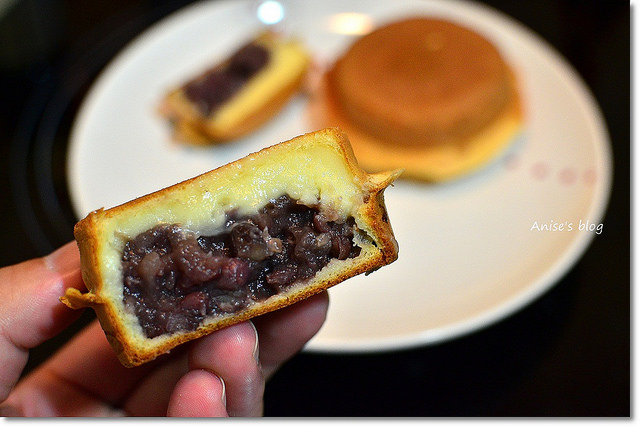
(566, 354)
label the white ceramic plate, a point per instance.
(471, 252)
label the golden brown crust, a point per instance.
(435, 99)
(192, 127)
(425, 79)
(431, 163)
(93, 242)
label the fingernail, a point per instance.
(224, 391)
(256, 346)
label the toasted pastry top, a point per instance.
(316, 169)
(435, 98)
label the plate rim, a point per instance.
(545, 281)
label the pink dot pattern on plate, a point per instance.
(590, 177)
(567, 176)
(542, 171)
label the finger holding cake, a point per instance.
(250, 237)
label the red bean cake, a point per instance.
(250, 237)
(237, 96)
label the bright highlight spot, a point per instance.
(270, 12)
(350, 23)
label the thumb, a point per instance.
(30, 309)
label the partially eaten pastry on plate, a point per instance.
(238, 95)
(247, 238)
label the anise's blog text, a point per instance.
(567, 226)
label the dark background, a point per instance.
(566, 354)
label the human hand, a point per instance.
(221, 374)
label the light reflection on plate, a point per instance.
(471, 251)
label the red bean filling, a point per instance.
(216, 86)
(173, 280)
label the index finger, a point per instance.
(30, 309)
